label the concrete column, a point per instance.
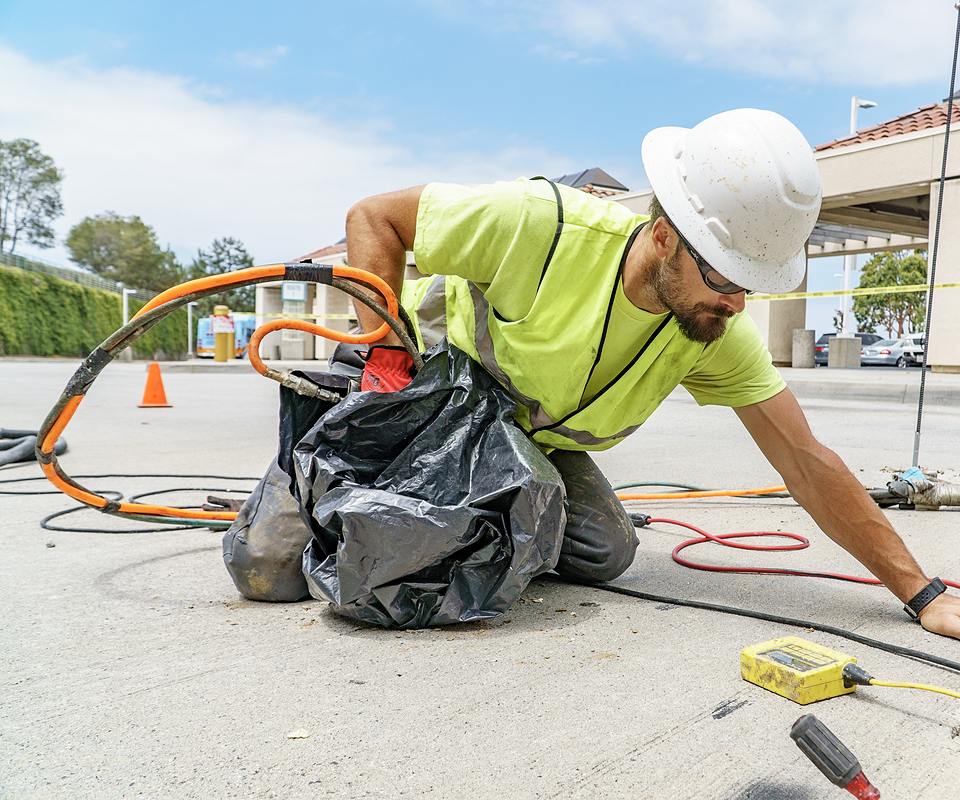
(803, 348)
(268, 306)
(777, 320)
(310, 343)
(944, 345)
(335, 303)
(844, 352)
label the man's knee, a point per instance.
(599, 541)
(609, 555)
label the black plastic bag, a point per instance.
(263, 547)
(428, 506)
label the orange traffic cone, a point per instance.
(153, 394)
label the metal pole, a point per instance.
(849, 262)
(849, 267)
(126, 354)
(190, 352)
(932, 272)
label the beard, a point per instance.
(699, 322)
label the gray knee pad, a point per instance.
(599, 541)
(263, 548)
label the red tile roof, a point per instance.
(932, 116)
(600, 191)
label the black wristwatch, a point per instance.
(922, 598)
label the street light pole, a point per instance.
(190, 306)
(126, 302)
(850, 262)
(127, 353)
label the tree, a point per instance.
(123, 249)
(899, 313)
(29, 194)
(224, 255)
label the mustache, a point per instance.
(720, 311)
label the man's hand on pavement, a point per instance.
(942, 615)
(388, 369)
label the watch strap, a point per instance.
(922, 598)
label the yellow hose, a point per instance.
(923, 687)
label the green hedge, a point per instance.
(45, 316)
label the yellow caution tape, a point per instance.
(909, 287)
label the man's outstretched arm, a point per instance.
(821, 483)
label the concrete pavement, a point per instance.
(132, 669)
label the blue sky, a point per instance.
(266, 121)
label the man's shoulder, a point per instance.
(597, 213)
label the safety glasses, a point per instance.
(711, 277)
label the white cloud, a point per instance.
(864, 42)
(553, 53)
(196, 167)
(260, 59)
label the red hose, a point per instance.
(725, 540)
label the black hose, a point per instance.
(906, 652)
(19, 446)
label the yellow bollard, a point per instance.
(223, 334)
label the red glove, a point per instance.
(388, 369)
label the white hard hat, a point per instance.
(743, 188)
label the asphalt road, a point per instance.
(131, 668)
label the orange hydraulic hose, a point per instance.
(692, 495)
(50, 440)
(253, 349)
(95, 500)
(175, 292)
(211, 282)
(226, 279)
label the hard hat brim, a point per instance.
(659, 154)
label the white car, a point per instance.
(913, 347)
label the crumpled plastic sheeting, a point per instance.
(263, 547)
(428, 506)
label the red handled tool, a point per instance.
(830, 756)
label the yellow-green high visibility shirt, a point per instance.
(491, 240)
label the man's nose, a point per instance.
(735, 302)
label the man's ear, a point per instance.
(664, 238)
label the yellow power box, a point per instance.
(794, 668)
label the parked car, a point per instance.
(886, 353)
(821, 350)
(914, 347)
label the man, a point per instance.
(591, 315)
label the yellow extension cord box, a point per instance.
(794, 668)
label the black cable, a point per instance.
(906, 652)
(154, 492)
(118, 496)
(45, 524)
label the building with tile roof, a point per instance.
(923, 119)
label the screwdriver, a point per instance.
(830, 756)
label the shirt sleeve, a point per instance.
(736, 371)
(495, 235)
